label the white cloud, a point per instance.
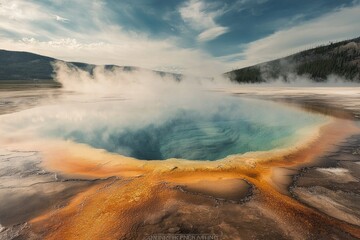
(197, 15)
(212, 33)
(69, 43)
(339, 25)
(21, 17)
(193, 12)
(94, 39)
(61, 19)
(133, 50)
(21, 10)
(102, 43)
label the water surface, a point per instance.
(209, 130)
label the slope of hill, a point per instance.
(341, 59)
(25, 66)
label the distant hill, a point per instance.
(25, 66)
(341, 59)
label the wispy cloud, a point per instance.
(335, 26)
(212, 33)
(95, 32)
(70, 43)
(95, 40)
(134, 51)
(61, 19)
(241, 5)
(21, 10)
(197, 15)
(22, 18)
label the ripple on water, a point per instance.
(200, 132)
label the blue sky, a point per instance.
(190, 36)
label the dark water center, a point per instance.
(232, 128)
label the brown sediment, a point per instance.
(107, 211)
(235, 190)
(120, 208)
(329, 136)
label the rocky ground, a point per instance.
(318, 199)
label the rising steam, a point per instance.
(146, 115)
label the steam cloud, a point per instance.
(143, 114)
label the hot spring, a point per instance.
(210, 128)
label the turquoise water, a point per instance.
(235, 126)
(210, 129)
